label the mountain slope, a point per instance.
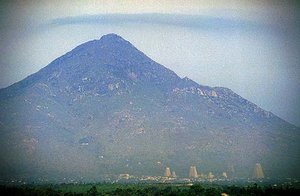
(107, 108)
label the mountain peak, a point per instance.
(113, 38)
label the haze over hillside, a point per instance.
(107, 108)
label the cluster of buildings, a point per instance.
(194, 175)
(257, 174)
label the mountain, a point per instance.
(106, 108)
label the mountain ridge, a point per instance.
(105, 107)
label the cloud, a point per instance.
(182, 20)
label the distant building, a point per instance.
(210, 176)
(193, 172)
(258, 172)
(174, 174)
(168, 172)
(224, 175)
(124, 176)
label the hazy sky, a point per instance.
(251, 47)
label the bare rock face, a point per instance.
(106, 108)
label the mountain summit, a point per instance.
(106, 108)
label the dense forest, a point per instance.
(148, 189)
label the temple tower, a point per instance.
(168, 172)
(258, 172)
(224, 175)
(193, 172)
(174, 174)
